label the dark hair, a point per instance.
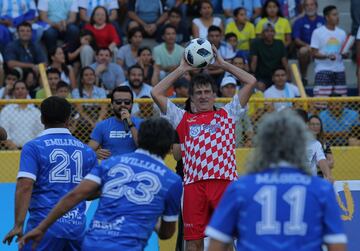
(263, 11)
(24, 24)
(81, 87)
(143, 49)
(230, 35)
(202, 80)
(237, 10)
(13, 72)
(156, 135)
(132, 33)
(135, 66)
(175, 10)
(63, 84)
(168, 26)
(320, 136)
(18, 82)
(302, 114)
(55, 111)
(214, 28)
(201, 2)
(121, 89)
(53, 71)
(103, 49)
(328, 9)
(92, 21)
(64, 67)
(188, 105)
(278, 69)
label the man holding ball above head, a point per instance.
(207, 140)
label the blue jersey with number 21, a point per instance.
(278, 209)
(137, 189)
(57, 162)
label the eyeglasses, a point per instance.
(122, 101)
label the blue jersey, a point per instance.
(137, 189)
(304, 27)
(278, 209)
(57, 162)
(111, 135)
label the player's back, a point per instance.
(137, 189)
(280, 209)
(57, 162)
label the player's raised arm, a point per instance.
(244, 77)
(85, 189)
(158, 92)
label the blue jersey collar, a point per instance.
(55, 131)
(154, 156)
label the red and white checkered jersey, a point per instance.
(207, 141)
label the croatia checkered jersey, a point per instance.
(207, 140)
(57, 162)
(278, 209)
(137, 188)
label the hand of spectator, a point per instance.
(100, 68)
(152, 28)
(103, 153)
(35, 68)
(84, 40)
(63, 25)
(112, 46)
(125, 114)
(332, 57)
(7, 22)
(56, 26)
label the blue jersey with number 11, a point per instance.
(137, 189)
(57, 162)
(278, 209)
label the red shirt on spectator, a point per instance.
(104, 36)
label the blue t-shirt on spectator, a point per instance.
(111, 135)
(304, 27)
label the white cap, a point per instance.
(228, 81)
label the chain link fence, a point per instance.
(339, 116)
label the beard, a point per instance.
(135, 84)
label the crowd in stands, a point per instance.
(90, 47)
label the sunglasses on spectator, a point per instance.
(122, 101)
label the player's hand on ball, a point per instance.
(219, 61)
(35, 235)
(16, 231)
(185, 65)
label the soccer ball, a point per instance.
(198, 53)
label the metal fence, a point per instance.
(340, 118)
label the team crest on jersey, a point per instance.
(195, 130)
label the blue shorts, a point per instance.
(52, 243)
(328, 82)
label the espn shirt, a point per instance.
(137, 188)
(207, 141)
(278, 209)
(57, 162)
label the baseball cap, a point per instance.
(228, 81)
(268, 25)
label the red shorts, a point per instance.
(200, 200)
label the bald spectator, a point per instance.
(11, 115)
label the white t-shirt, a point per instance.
(314, 154)
(358, 34)
(203, 30)
(290, 91)
(328, 42)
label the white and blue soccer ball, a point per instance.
(198, 53)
